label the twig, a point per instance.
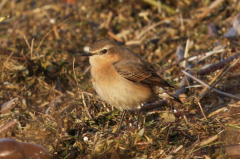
(202, 94)
(109, 18)
(49, 33)
(8, 125)
(218, 65)
(56, 32)
(163, 6)
(192, 58)
(207, 10)
(215, 90)
(86, 70)
(217, 111)
(31, 50)
(53, 103)
(180, 56)
(27, 42)
(85, 107)
(75, 77)
(110, 33)
(150, 28)
(218, 78)
(186, 53)
(2, 4)
(207, 54)
(200, 106)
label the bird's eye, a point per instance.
(104, 51)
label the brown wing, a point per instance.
(155, 79)
(139, 72)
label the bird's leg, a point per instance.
(119, 126)
(139, 110)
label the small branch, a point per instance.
(218, 65)
(186, 53)
(215, 90)
(207, 10)
(200, 106)
(219, 77)
(85, 107)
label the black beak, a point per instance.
(87, 54)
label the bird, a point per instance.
(122, 78)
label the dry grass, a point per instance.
(54, 102)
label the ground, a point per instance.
(46, 95)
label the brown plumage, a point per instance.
(121, 77)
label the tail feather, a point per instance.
(167, 95)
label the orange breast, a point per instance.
(118, 91)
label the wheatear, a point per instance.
(121, 77)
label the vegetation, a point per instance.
(46, 95)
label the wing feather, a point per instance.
(139, 72)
